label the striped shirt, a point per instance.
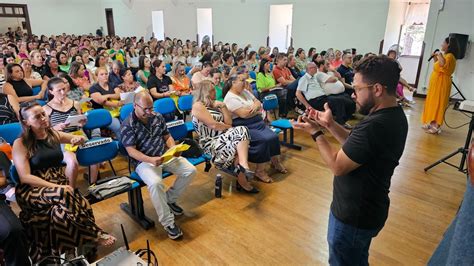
(58, 117)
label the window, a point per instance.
(413, 29)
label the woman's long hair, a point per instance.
(453, 46)
(154, 65)
(28, 137)
(201, 93)
(228, 84)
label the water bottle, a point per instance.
(218, 188)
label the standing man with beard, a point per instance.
(363, 167)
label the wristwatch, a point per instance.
(315, 135)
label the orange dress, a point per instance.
(439, 90)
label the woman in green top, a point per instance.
(143, 73)
(63, 61)
(266, 85)
(218, 83)
(116, 53)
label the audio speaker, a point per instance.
(462, 40)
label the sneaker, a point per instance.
(347, 126)
(173, 231)
(175, 209)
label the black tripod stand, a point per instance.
(464, 150)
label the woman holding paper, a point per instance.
(59, 109)
(266, 85)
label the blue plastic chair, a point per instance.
(168, 68)
(97, 118)
(187, 69)
(37, 90)
(164, 106)
(177, 129)
(125, 111)
(253, 75)
(98, 154)
(185, 104)
(13, 177)
(270, 103)
(10, 132)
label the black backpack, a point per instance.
(194, 151)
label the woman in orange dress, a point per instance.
(439, 87)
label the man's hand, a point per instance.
(79, 140)
(306, 124)
(323, 118)
(156, 161)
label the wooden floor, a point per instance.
(286, 223)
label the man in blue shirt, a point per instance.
(146, 138)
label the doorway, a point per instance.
(279, 32)
(204, 24)
(14, 16)
(158, 24)
(109, 17)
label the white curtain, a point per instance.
(417, 13)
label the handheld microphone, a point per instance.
(431, 57)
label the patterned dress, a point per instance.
(221, 145)
(55, 220)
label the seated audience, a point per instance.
(63, 61)
(266, 85)
(114, 76)
(181, 82)
(247, 111)
(16, 85)
(204, 74)
(227, 145)
(47, 202)
(295, 71)
(337, 60)
(144, 65)
(29, 73)
(146, 138)
(37, 61)
(159, 84)
(283, 76)
(58, 109)
(103, 96)
(218, 83)
(9, 108)
(341, 103)
(77, 74)
(347, 73)
(128, 84)
(51, 68)
(13, 239)
(300, 58)
(252, 62)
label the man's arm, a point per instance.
(169, 140)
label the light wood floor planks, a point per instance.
(286, 223)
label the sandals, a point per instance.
(268, 179)
(280, 169)
(434, 130)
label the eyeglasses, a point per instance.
(357, 90)
(149, 109)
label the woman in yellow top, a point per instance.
(439, 87)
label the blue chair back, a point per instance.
(185, 102)
(252, 74)
(97, 154)
(14, 178)
(164, 106)
(270, 102)
(125, 111)
(97, 118)
(187, 69)
(10, 132)
(168, 68)
(37, 90)
(254, 90)
(177, 129)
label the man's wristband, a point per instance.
(315, 135)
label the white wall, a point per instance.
(455, 18)
(395, 18)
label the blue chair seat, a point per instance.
(10, 132)
(282, 123)
(137, 178)
(189, 126)
(276, 130)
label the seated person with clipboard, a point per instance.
(146, 138)
(65, 115)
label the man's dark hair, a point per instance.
(379, 69)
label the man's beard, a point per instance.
(364, 109)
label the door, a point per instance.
(109, 17)
(280, 24)
(204, 24)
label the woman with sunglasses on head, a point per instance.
(48, 203)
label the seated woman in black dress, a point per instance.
(51, 68)
(247, 111)
(9, 108)
(20, 87)
(48, 204)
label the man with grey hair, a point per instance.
(309, 92)
(145, 136)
